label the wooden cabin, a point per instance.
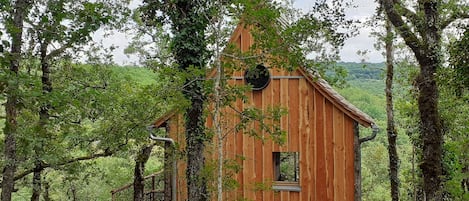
(316, 163)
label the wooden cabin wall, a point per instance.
(177, 133)
(316, 128)
(319, 131)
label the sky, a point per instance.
(362, 42)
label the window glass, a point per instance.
(286, 166)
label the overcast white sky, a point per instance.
(363, 41)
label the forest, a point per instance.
(75, 124)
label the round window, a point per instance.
(258, 77)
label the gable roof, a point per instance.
(313, 78)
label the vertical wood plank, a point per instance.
(277, 196)
(321, 183)
(285, 195)
(314, 150)
(258, 150)
(329, 147)
(249, 162)
(177, 132)
(294, 196)
(339, 155)
(295, 91)
(240, 152)
(276, 99)
(245, 40)
(284, 100)
(306, 123)
(293, 113)
(268, 101)
(231, 118)
(349, 159)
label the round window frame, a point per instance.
(261, 82)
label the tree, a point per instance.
(139, 180)
(454, 85)
(422, 31)
(48, 29)
(14, 22)
(391, 128)
(53, 30)
(188, 24)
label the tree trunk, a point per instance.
(391, 130)
(427, 49)
(190, 49)
(357, 162)
(139, 171)
(46, 191)
(217, 122)
(195, 141)
(36, 184)
(432, 135)
(432, 132)
(11, 108)
(43, 120)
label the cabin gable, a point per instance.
(320, 128)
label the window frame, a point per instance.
(278, 185)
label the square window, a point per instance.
(286, 167)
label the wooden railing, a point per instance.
(154, 189)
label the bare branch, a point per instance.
(59, 50)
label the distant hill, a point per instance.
(365, 87)
(140, 75)
(363, 70)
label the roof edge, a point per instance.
(160, 121)
(336, 99)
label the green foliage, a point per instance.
(454, 109)
(368, 95)
(54, 121)
(459, 63)
(96, 108)
(370, 101)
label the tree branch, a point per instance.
(406, 12)
(72, 160)
(409, 37)
(59, 50)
